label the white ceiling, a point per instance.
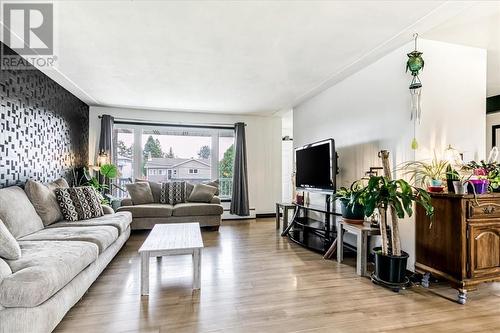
(226, 56)
(477, 26)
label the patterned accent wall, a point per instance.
(44, 129)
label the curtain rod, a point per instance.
(135, 121)
(130, 121)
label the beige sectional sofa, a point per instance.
(58, 262)
(145, 216)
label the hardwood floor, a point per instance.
(253, 280)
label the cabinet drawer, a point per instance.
(483, 209)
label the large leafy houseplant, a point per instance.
(381, 194)
(397, 196)
(108, 172)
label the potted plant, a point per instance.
(483, 172)
(383, 194)
(451, 177)
(108, 172)
(351, 201)
(430, 174)
(458, 180)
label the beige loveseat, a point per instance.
(145, 216)
(58, 262)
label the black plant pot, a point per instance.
(352, 213)
(389, 268)
(449, 183)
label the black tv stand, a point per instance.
(317, 235)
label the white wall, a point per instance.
(369, 111)
(263, 146)
(287, 156)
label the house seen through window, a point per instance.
(162, 153)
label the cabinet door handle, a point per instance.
(489, 210)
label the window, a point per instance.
(193, 154)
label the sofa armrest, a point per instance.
(107, 209)
(215, 200)
(126, 202)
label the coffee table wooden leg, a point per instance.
(144, 273)
(197, 269)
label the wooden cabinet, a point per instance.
(462, 242)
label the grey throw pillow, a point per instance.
(44, 199)
(189, 189)
(140, 193)
(9, 248)
(155, 189)
(202, 193)
(214, 183)
(18, 213)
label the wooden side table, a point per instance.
(362, 231)
(284, 207)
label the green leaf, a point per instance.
(109, 171)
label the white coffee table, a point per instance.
(168, 240)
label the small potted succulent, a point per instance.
(351, 201)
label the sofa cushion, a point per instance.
(4, 270)
(9, 248)
(44, 199)
(196, 208)
(202, 193)
(17, 212)
(173, 192)
(120, 220)
(78, 203)
(102, 236)
(216, 184)
(155, 189)
(148, 210)
(43, 269)
(215, 200)
(107, 209)
(140, 193)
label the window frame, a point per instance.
(138, 128)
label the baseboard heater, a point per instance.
(228, 216)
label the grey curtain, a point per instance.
(106, 145)
(239, 200)
(106, 138)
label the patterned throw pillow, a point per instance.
(78, 203)
(173, 193)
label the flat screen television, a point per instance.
(315, 166)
